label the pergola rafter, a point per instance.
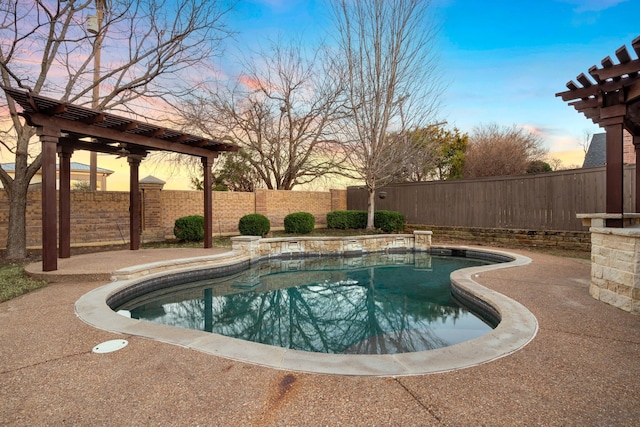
(64, 127)
(610, 97)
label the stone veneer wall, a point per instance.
(570, 240)
(615, 267)
(256, 247)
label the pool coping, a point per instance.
(517, 328)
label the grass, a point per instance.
(14, 282)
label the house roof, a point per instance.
(597, 154)
(151, 180)
(75, 167)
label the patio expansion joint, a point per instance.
(417, 399)
(55, 359)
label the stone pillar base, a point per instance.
(615, 263)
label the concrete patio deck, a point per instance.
(582, 368)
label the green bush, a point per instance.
(254, 225)
(299, 222)
(347, 219)
(189, 228)
(388, 221)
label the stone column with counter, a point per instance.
(615, 260)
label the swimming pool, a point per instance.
(517, 325)
(371, 304)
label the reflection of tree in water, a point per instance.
(370, 310)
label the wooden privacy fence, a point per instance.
(547, 201)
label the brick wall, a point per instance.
(629, 152)
(103, 216)
(275, 205)
(228, 208)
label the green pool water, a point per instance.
(374, 304)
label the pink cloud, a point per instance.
(249, 82)
(534, 130)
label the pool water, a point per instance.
(374, 304)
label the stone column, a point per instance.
(338, 200)
(151, 206)
(422, 240)
(636, 146)
(247, 246)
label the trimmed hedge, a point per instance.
(299, 222)
(189, 228)
(388, 221)
(347, 219)
(254, 225)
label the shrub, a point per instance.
(347, 219)
(254, 225)
(388, 221)
(189, 228)
(299, 222)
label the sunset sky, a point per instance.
(501, 61)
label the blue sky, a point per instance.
(502, 61)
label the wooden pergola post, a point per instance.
(49, 139)
(64, 214)
(207, 164)
(614, 174)
(134, 202)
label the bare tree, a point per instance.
(585, 141)
(280, 111)
(556, 164)
(501, 150)
(45, 48)
(392, 84)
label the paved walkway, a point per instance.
(582, 368)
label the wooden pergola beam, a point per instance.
(91, 131)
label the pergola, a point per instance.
(612, 101)
(63, 128)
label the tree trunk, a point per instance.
(17, 232)
(371, 208)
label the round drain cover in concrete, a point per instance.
(109, 346)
